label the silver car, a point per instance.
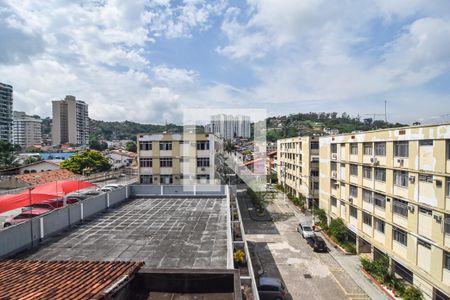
(306, 230)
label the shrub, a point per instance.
(322, 216)
(412, 293)
(239, 256)
(338, 230)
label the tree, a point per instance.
(33, 149)
(90, 160)
(96, 145)
(7, 155)
(31, 160)
(131, 146)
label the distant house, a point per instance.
(40, 166)
(35, 178)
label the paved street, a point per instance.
(282, 252)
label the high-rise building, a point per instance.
(70, 122)
(298, 167)
(170, 158)
(229, 126)
(27, 130)
(6, 108)
(391, 188)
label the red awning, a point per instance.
(41, 193)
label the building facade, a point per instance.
(6, 112)
(168, 158)
(298, 167)
(392, 189)
(229, 126)
(27, 130)
(70, 122)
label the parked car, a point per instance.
(317, 243)
(91, 193)
(47, 204)
(270, 288)
(24, 216)
(306, 230)
(113, 186)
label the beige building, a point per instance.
(298, 166)
(27, 130)
(392, 189)
(70, 122)
(169, 158)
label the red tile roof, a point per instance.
(24, 279)
(46, 176)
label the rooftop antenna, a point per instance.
(385, 111)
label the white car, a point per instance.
(306, 230)
(112, 186)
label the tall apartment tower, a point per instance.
(27, 130)
(391, 188)
(230, 126)
(6, 114)
(70, 122)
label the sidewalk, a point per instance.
(248, 206)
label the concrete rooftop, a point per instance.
(182, 233)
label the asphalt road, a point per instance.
(280, 251)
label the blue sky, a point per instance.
(146, 61)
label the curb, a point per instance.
(377, 284)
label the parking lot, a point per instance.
(278, 250)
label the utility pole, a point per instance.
(385, 111)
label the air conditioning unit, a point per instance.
(412, 179)
(350, 199)
(438, 218)
(374, 160)
(333, 174)
(333, 155)
(203, 168)
(411, 208)
(400, 161)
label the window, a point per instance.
(367, 196)
(333, 166)
(380, 174)
(447, 260)
(334, 184)
(425, 178)
(380, 149)
(448, 187)
(380, 200)
(447, 224)
(425, 211)
(145, 162)
(314, 173)
(367, 172)
(203, 145)
(353, 148)
(400, 236)
(379, 225)
(314, 145)
(401, 178)
(146, 179)
(165, 162)
(353, 191)
(333, 148)
(165, 145)
(202, 176)
(166, 179)
(333, 201)
(400, 207)
(353, 170)
(426, 143)
(145, 146)
(354, 212)
(203, 162)
(401, 149)
(368, 149)
(424, 244)
(367, 219)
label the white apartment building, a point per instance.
(172, 158)
(70, 122)
(230, 126)
(27, 130)
(6, 116)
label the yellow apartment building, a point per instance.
(172, 158)
(298, 166)
(392, 189)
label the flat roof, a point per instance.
(163, 232)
